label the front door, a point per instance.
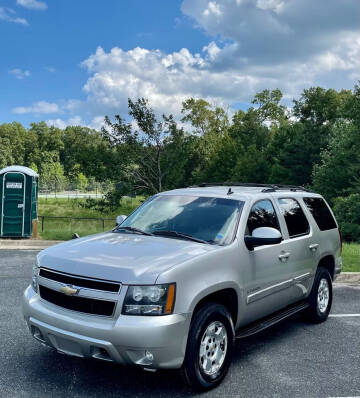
(12, 222)
(270, 279)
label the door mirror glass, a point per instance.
(263, 236)
(120, 219)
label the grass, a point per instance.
(351, 257)
(63, 229)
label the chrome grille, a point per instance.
(91, 296)
(80, 281)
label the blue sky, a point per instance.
(70, 62)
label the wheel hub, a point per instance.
(323, 295)
(213, 348)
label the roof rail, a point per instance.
(267, 187)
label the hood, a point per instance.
(125, 258)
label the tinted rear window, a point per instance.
(295, 218)
(321, 213)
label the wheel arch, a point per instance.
(227, 296)
(328, 262)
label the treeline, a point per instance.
(315, 143)
(75, 157)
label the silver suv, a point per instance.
(186, 274)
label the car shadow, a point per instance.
(284, 330)
(90, 378)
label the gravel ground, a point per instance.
(292, 359)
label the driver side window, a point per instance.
(262, 214)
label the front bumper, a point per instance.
(125, 340)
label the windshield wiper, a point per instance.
(180, 235)
(133, 229)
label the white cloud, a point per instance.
(274, 5)
(19, 73)
(213, 50)
(59, 123)
(218, 74)
(96, 123)
(213, 8)
(254, 45)
(165, 79)
(50, 69)
(276, 31)
(8, 15)
(40, 107)
(32, 4)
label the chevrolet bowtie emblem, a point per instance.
(68, 290)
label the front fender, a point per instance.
(201, 276)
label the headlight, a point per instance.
(149, 300)
(35, 274)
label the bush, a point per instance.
(347, 211)
(110, 202)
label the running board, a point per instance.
(271, 320)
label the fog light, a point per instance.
(149, 356)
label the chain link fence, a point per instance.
(95, 190)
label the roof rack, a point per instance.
(267, 187)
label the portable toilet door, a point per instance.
(17, 201)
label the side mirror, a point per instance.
(263, 236)
(120, 219)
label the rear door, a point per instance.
(299, 241)
(12, 223)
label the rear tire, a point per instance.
(320, 299)
(210, 347)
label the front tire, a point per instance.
(210, 347)
(320, 299)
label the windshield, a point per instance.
(212, 220)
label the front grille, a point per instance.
(80, 282)
(76, 303)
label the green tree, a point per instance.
(86, 150)
(52, 175)
(292, 152)
(347, 211)
(322, 106)
(338, 172)
(210, 124)
(205, 118)
(269, 109)
(144, 147)
(81, 182)
(6, 158)
(352, 106)
(251, 166)
(12, 144)
(248, 129)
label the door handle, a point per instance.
(313, 247)
(284, 256)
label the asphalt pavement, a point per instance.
(292, 359)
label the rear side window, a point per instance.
(321, 213)
(262, 214)
(296, 221)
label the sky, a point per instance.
(72, 62)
